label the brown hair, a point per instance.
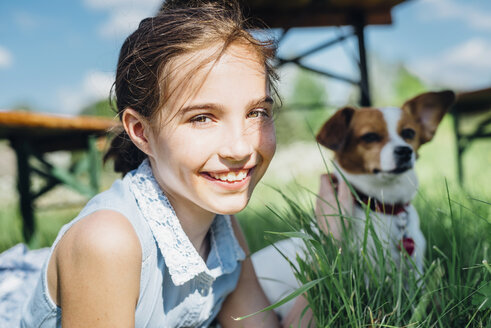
(142, 74)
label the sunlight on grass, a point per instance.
(455, 290)
(455, 221)
(364, 287)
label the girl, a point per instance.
(160, 247)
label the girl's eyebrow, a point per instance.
(215, 106)
(264, 100)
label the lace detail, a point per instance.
(182, 259)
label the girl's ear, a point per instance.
(137, 129)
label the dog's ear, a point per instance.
(334, 132)
(429, 109)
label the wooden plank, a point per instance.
(291, 19)
(321, 4)
(24, 119)
(364, 4)
(473, 102)
(308, 13)
(48, 127)
(48, 132)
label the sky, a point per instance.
(59, 56)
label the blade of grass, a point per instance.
(288, 298)
(291, 234)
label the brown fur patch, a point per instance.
(428, 109)
(358, 156)
(408, 121)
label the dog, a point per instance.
(375, 150)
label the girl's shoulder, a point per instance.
(98, 260)
(107, 228)
(114, 217)
(104, 237)
(103, 242)
(104, 232)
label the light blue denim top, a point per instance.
(177, 288)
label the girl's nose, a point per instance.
(236, 146)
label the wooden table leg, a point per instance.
(20, 145)
(95, 161)
(52, 175)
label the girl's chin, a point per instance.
(229, 210)
(230, 206)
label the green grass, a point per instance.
(455, 290)
(455, 221)
(48, 223)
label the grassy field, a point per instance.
(456, 290)
(351, 290)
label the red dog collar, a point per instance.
(377, 206)
(392, 209)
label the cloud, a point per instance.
(95, 86)
(26, 21)
(6, 59)
(124, 15)
(465, 66)
(122, 23)
(466, 13)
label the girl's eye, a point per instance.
(258, 112)
(200, 119)
(408, 133)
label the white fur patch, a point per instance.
(392, 115)
(386, 187)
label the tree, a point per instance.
(392, 83)
(308, 92)
(99, 108)
(407, 85)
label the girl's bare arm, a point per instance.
(97, 265)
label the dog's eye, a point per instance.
(371, 137)
(408, 133)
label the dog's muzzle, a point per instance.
(403, 157)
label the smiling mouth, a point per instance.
(230, 177)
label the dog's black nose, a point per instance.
(403, 153)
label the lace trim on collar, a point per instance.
(181, 258)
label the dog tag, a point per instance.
(408, 244)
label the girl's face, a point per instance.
(211, 154)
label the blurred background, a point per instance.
(60, 56)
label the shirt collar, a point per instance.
(181, 258)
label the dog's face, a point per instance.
(384, 141)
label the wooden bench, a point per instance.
(472, 121)
(33, 135)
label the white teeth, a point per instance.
(230, 176)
